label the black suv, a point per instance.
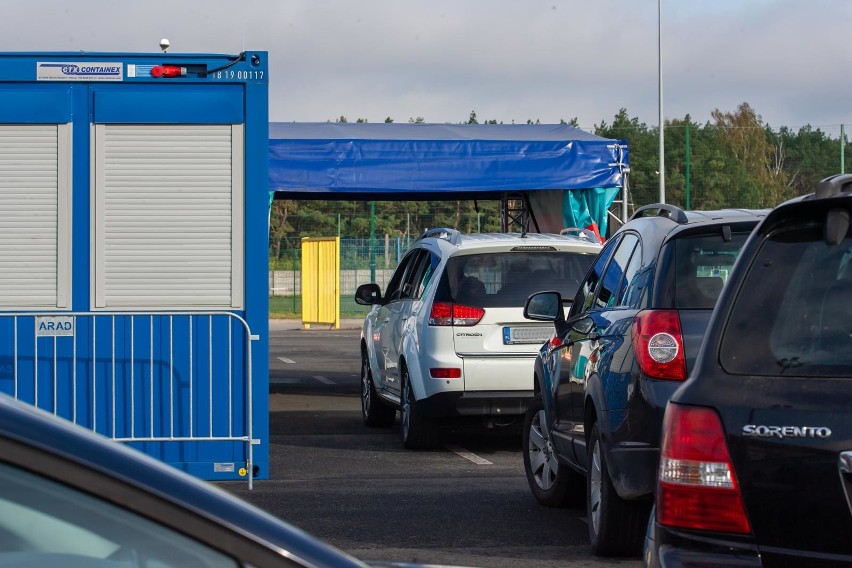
(630, 339)
(756, 463)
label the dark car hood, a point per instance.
(34, 427)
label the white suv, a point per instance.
(448, 338)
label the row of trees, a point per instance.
(733, 160)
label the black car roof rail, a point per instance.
(672, 212)
(452, 236)
(833, 185)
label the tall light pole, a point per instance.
(660, 74)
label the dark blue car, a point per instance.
(628, 340)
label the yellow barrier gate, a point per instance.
(321, 281)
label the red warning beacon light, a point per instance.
(168, 71)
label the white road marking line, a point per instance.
(286, 360)
(325, 380)
(468, 455)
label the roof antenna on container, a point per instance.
(164, 44)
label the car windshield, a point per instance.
(702, 264)
(793, 314)
(45, 523)
(507, 279)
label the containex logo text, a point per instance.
(71, 71)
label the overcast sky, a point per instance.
(509, 60)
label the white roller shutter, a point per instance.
(168, 216)
(35, 169)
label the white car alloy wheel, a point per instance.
(373, 410)
(405, 409)
(418, 431)
(365, 387)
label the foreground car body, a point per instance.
(72, 498)
(448, 338)
(756, 466)
(631, 335)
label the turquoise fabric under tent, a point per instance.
(587, 208)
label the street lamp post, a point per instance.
(660, 75)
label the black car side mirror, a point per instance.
(547, 306)
(368, 294)
(543, 306)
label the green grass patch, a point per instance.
(285, 307)
(290, 307)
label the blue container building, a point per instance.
(133, 250)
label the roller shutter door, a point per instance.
(168, 216)
(35, 172)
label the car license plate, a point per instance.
(516, 335)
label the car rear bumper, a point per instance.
(674, 549)
(671, 557)
(668, 548)
(477, 403)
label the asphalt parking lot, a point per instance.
(466, 503)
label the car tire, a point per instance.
(553, 484)
(374, 411)
(616, 526)
(418, 432)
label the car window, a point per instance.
(702, 265)
(585, 293)
(45, 523)
(615, 271)
(631, 287)
(507, 279)
(415, 280)
(429, 269)
(395, 286)
(793, 313)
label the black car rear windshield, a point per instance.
(702, 264)
(506, 279)
(793, 314)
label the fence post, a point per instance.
(372, 241)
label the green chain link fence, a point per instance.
(360, 263)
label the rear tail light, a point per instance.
(658, 344)
(445, 373)
(697, 486)
(447, 313)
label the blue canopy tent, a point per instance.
(540, 163)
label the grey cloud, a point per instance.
(506, 59)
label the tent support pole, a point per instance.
(511, 214)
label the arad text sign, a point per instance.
(54, 326)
